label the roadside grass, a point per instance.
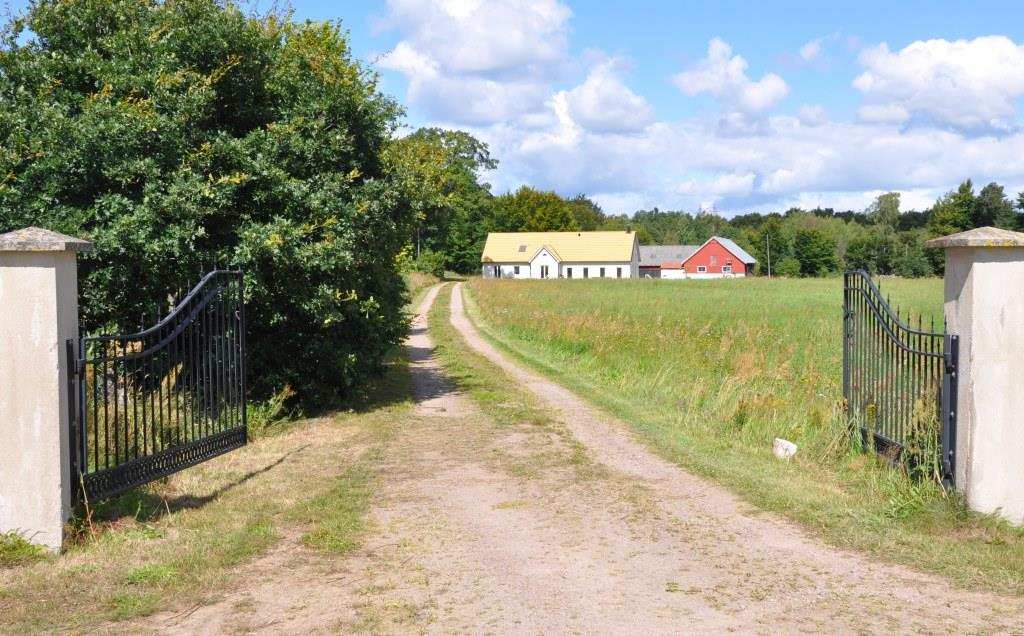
(15, 550)
(709, 372)
(178, 543)
(417, 283)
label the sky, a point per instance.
(743, 106)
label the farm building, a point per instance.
(561, 255)
(716, 258)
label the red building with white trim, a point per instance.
(717, 257)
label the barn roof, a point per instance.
(597, 247)
(656, 255)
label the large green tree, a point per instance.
(531, 210)
(815, 251)
(453, 207)
(180, 134)
(993, 208)
(953, 212)
(885, 211)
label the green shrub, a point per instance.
(181, 135)
(15, 551)
(788, 266)
(430, 262)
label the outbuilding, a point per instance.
(718, 257)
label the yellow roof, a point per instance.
(572, 247)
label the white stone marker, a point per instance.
(985, 307)
(38, 314)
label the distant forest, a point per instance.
(882, 239)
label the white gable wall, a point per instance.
(543, 258)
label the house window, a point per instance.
(522, 248)
(602, 273)
(714, 260)
(515, 270)
(727, 269)
(586, 272)
(568, 272)
(701, 269)
(618, 272)
(543, 271)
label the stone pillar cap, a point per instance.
(36, 239)
(978, 237)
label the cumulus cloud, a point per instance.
(812, 115)
(681, 164)
(886, 113)
(724, 76)
(965, 83)
(602, 103)
(502, 70)
(474, 61)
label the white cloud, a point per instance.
(555, 123)
(811, 50)
(812, 115)
(724, 76)
(892, 113)
(477, 62)
(966, 83)
(602, 103)
(679, 165)
(729, 184)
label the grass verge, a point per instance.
(179, 542)
(709, 372)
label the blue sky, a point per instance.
(746, 106)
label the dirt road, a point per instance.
(574, 527)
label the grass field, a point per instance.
(709, 372)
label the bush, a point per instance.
(181, 135)
(788, 266)
(430, 262)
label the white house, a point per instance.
(561, 255)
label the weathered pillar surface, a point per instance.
(38, 313)
(984, 304)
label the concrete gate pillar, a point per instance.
(38, 314)
(984, 305)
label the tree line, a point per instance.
(458, 210)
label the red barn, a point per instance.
(717, 257)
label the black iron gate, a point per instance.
(899, 381)
(148, 404)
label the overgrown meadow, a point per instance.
(710, 372)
